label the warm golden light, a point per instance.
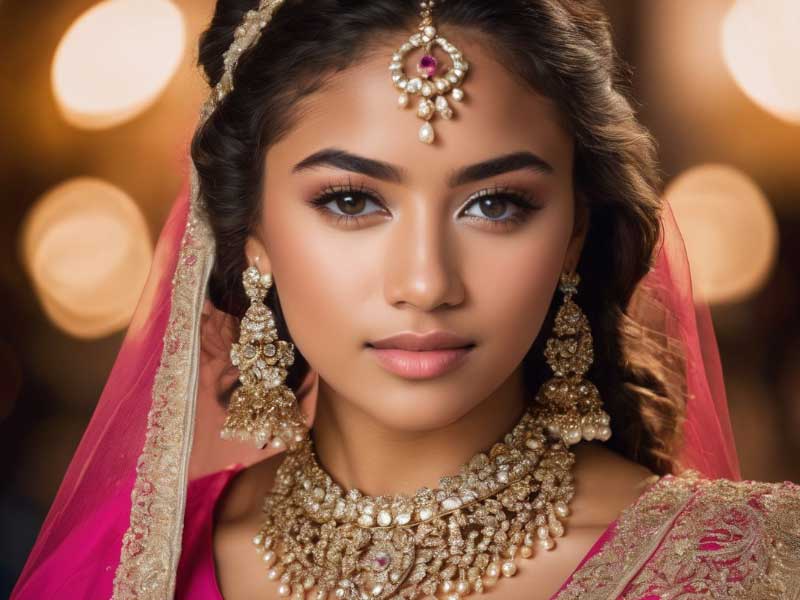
(760, 43)
(115, 60)
(729, 229)
(87, 249)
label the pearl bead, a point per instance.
(273, 573)
(284, 589)
(493, 570)
(269, 557)
(462, 587)
(561, 508)
(526, 552)
(447, 586)
(277, 443)
(509, 568)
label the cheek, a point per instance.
(321, 284)
(516, 282)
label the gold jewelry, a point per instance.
(456, 539)
(432, 89)
(262, 409)
(572, 404)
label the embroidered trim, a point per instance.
(151, 546)
(639, 528)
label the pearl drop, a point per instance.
(273, 573)
(284, 589)
(457, 94)
(269, 557)
(277, 443)
(402, 100)
(426, 134)
(509, 568)
(462, 587)
(493, 570)
(526, 552)
(447, 586)
(561, 508)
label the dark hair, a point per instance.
(561, 48)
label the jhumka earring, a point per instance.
(262, 409)
(571, 405)
(432, 88)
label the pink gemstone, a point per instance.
(427, 66)
(382, 561)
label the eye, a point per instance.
(346, 204)
(500, 207)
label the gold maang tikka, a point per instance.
(432, 89)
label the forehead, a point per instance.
(357, 110)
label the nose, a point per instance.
(422, 266)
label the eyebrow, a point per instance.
(341, 159)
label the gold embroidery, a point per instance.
(152, 544)
(689, 537)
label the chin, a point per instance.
(411, 410)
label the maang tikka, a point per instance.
(262, 409)
(432, 88)
(571, 404)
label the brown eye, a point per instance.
(492, 207)
(350, 204)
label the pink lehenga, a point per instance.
(134, 514)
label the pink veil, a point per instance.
(114, 529)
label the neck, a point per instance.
(360, 452)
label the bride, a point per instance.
(421, 327)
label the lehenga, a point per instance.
(133, 516)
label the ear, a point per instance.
(256, 254)
(579, 230)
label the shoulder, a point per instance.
(241, 499)
(737, 539)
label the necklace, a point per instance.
(458, 538)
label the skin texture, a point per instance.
(422, 256)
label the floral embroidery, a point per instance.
(689, 537)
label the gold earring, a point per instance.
(571, 404)
(262, 409)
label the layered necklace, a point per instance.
(320, 541)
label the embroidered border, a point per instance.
(152, 544)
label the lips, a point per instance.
(434, 340)
(423, 356)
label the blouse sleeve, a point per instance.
(731, 540)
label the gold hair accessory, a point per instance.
(572, 404)
(262, 408)
(244, 36)
(457, 539)
(432, 88)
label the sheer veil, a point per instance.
(115, 526)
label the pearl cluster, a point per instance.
(431, 88)
(263, 409)
(459, 538)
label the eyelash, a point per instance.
(522, 200)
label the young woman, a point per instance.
(424, 271)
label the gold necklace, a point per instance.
(454, 540)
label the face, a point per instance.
(390, 235)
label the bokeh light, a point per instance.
(87, 249)
(729, 228)
(115, 60)
(760, 44)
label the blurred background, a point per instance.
(98, 103)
